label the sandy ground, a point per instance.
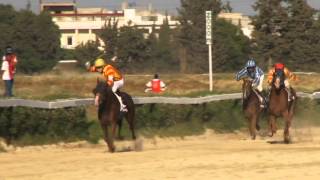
(210, 156)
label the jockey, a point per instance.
(113, 76)
(287, 77)
(256, 75)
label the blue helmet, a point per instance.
(251, 63)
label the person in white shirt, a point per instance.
(8, 66)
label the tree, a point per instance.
(303, 35)
(191, 36)
(7, 19)
(286, 31)
(87, 52)
(131, 48)
(231, 46)
(109, 36)
(270, 25)
(227, 7)
(37, 41)
(166, 60)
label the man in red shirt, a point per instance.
(155, 85)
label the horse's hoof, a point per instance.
(120, 138)
(253, 137)
(270, 134)
(258, 127)
(112, 150)
(287, 140)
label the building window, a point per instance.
(149, 18)
(69, 39)
(83, 31)
(67, 31)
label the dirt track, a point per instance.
(210, 156)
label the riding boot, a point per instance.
(123, 107)
(261, 99)
(289, 94)
(263, 103)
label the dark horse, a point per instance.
(251, 107)
(279, 106)
(109, 112)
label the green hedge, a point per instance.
(164, 119)
(25, 126)
(37, 126)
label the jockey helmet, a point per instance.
(9, 50)
(99, 63)
(251, 63)
(278, 66)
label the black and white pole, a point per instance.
(209, 42)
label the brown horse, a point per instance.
(251, 107)
(109, 112)
(279, 106)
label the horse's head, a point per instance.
(101, 91)
(246, 87)
(278, 80)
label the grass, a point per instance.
(79, 85)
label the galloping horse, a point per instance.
(279, 106)
(109, 111)
(251, 106)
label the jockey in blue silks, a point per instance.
(256, 74)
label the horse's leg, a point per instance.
(253, 127)
(130, 119)
(286, 133)
(114, 129)
(120, 126)
(272, 125)
(107, 139)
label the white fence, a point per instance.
(137, 100)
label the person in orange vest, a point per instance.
(112, 75)
(155, 85)
(8, 69)
(288, 76)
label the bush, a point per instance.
(38, 126)
(25, 126)
(179, 120)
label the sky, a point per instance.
(242, 6)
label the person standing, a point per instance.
(8, 69)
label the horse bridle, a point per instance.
(245, 89)
(278, 78)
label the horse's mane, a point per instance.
(247, 92)
(104, 90)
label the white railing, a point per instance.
(137, 100)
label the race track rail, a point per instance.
(137, 100)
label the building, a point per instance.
(241, 20)
(80, 25)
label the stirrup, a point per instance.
(123, 108)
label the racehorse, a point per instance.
(279, 106)
(251, 106)
(109, 112)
